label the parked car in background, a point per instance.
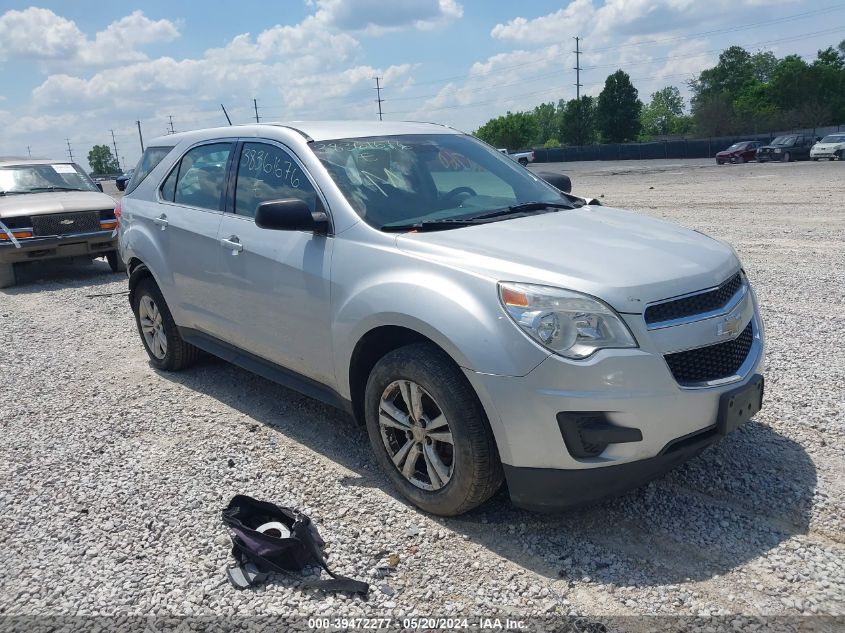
(741, 152)
(52, 209)
(523, 158)
(830, 147)
(482, 324)
(123, 180)
(786, 148)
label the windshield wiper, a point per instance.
(430, 225)
(53, 188)
(523, 207)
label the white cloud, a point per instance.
(41, 35)
(377, 16)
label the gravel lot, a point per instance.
(114, 475)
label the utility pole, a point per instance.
(577, 68)
(114, 143)
(379, 99)
(172, 131)
(69, 150)
(140, 137)
(227, 114)
(577, 52)
(255, 104)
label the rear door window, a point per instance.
(201, 178)
(151, 157)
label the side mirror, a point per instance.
(99, 185)
(290, 215)
(559, 181)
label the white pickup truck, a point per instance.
(523, 158)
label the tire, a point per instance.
(7, 275)
(829, 159)
(720, 162)
(758, 159)
(840, 154)
(787, 157)
(465, 469)
(815, 160)
(115, 262)
(176, 354)
(740, 160)
(523, 161)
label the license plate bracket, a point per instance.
(738, 406)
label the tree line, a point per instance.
(743, 93)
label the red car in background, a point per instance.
(741, 152)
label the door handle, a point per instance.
(232, 243)
(161, 221)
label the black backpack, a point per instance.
(259, 554)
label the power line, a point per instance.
(379, 99)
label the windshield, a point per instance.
(736, 146)
(410, 179)
(41, 178)
(784, 140)
(834, 138)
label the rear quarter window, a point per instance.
(151, 157)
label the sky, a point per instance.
(79, 70)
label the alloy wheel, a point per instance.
(152, 327)
(416, 435)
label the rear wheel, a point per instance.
(429, 431)
(115, 262)
(523, 161)
(7, 275)
(158, 330)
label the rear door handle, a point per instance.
(232, 243)
(161, 221)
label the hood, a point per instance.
(54, 202)
(624, 258)
(828, 147)
(728, 152)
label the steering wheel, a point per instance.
(458, 191)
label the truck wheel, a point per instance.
(7, 275)
(523, 161)
(158, 330)
(429, 431)
(115, 262)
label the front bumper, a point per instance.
(629, 388)
(92, 244)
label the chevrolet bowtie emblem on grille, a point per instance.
(729, 325)
(67, 222)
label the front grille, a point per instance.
(696, 304)
(64, 223)
(712, 362)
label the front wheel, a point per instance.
(115, 262)
(7, 275)
(740, 160)
(429, 431)
(786, 157)
(159, 333)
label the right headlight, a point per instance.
(568, 323)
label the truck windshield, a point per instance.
(44, 178)
(426, 178)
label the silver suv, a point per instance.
(484, 325)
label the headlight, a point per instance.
(568, 323)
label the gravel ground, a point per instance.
(114, 474)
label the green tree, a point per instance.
(734, 69)
(514, 130)
(618, 109)
(763, 65)
(659, 117)
(545, 117)
(578, 120)
(101, 161)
